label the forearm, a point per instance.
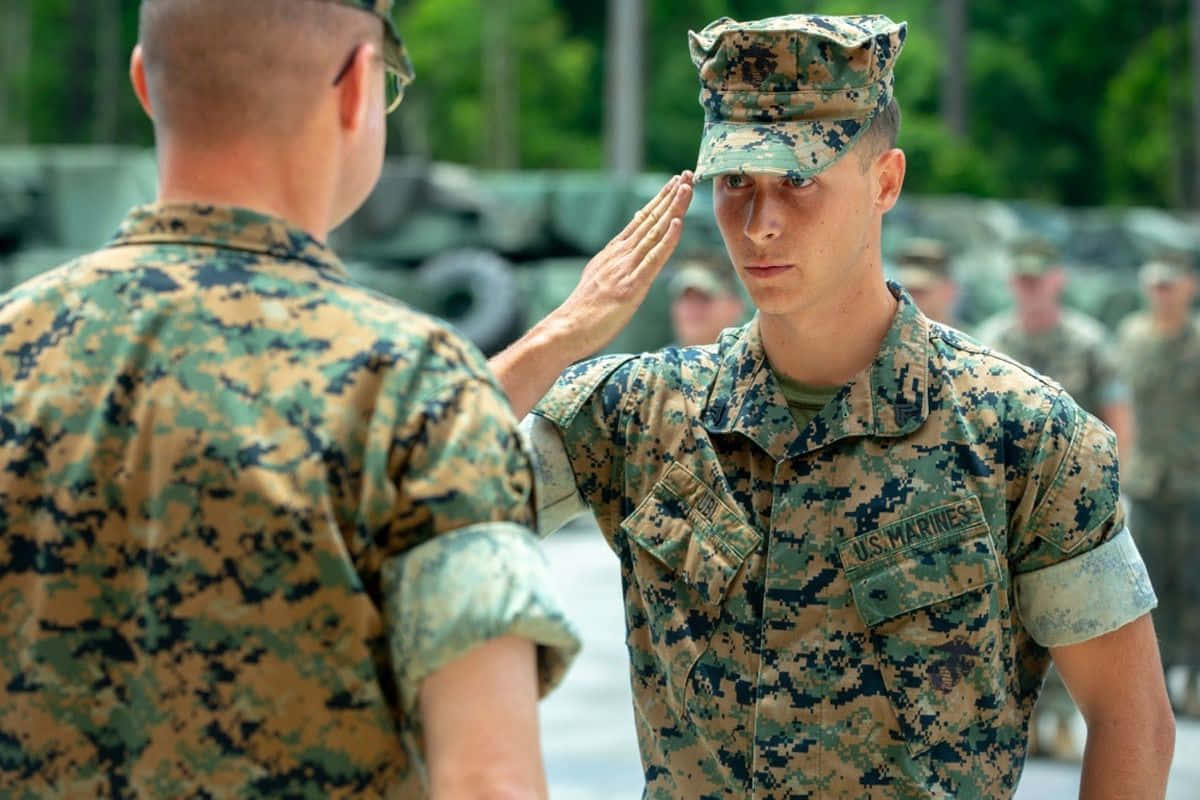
(529, 366)
(1127, 759)
(479, 715)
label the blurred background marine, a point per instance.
(923, 268)
(1061, 343)
(705, 299)
(1160, 360)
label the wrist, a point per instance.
(563, 339)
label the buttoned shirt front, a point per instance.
(247, 507)
(857, 609)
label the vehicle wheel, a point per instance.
(475, 291)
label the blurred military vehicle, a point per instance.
(494, 252)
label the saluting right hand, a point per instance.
(615, 281)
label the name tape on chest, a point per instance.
(959, 515)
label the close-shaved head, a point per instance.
(224, 69)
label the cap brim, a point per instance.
(916, 278)
(698, 279)
(803, 149)
(1159, 275)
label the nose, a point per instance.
(764, 220)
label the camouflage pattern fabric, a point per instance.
(790, 94)
(246, 507)
(1077, 354)
(858, 609)
(1163, 474)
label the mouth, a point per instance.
(766, 270)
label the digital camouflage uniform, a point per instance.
(1076, 353)
(1162, 475)
(246, 507)
(859, 609)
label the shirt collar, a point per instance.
(888, 398)
(225, 227)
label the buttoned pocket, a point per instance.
(687, 547)
(932, 611)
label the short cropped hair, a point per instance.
(221, 69)
(882, 135)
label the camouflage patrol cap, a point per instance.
(1034, 256)
(791, 94)
(1166, 268)
(394, 53)
(922, 263)
(705, 276)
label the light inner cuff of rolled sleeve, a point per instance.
(1087, 596)
(462, 588)
(558, 498)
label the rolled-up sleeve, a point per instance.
(451, 516)
(558, 498)
(1077, 572)
(585, 407)
(468, 586)
(1087, 596)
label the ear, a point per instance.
(137, 76)
(354, 90)
(889, 171)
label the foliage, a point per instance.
(1078, 101)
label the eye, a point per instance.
(796, 182)
(734, 180)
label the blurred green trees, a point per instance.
(1078, 101)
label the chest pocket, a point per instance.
(687, 547)
(933, 614)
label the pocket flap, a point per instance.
(926, 572)
(686, 526)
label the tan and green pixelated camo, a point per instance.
(791, 94)
(859, 609)
(247, 507)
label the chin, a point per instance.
(775, 304)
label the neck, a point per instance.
(828, 345)
(1038, 320)
(1170, 323)
(270, 179)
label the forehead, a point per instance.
(838, 167)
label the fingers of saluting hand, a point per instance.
(660, 205)
(667, 223)
(659, 254)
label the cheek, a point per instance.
(728, 213)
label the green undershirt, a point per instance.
(805, 400)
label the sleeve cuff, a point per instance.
(1086, 596)
(465, 587)
(558, 498)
